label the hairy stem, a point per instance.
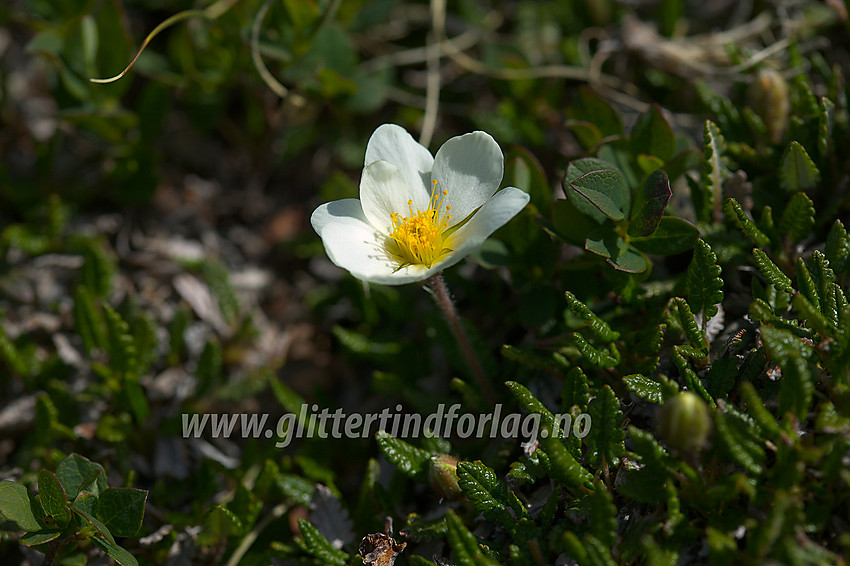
(444, 300)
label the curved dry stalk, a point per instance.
(211, 13)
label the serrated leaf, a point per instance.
(798, 218)
(823, 277)
(317, 545)
(563, 467)
(771, 272)
(695, 336)
(15, 506)
(594, 355)
(739, 441)
(530, 403)
(122, 349)
(362, 344)
(654, 388)
(797, 171)
(575, 391)
(714, 172)
(464, 545)
(296, 488)
(606, 435)
(603, 514)
(672, 236)
(837, 248)
(758, 412)
(735, 213)
(597, 325)
(704, 285)
(407, 458)
(88, 321)
(488, 495)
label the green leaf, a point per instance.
(362, 344)
(603, 190)
(759, 413)
(589, 179)
(39, 537)
(575, 391)
(319, 546)
(596, 324)
(594, 109)
(122, 510)
(798, 218)
(695, 336)
(16, 506)
(837, 248)
(596, 356)
(653, 388)
(530, 403)
(607, 243)
(648, 207)
(704, 285)
(606, 436)
(122, 349)
(464, 545)
(117, 553)
(796, 387)
(296, 488)
(570, 224)
(797, 171)
(85, 506)
(603, 514)
(488, 495)
(563, 467)
(738, 440)
(672, 236)
(88, 320)
(823, 278)
(735, 213)
(410, 460)
(714, 172)
(689, 377)
(77, 473)
(54, 501)
(771, 273)
(523, 170)
(653, 135)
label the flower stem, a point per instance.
(444, 300)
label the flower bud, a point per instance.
(768, 96)
(684, 422)
(442, 476)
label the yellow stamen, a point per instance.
(420, 235)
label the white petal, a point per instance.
(394, 144)
(359, 249)
(346, 211)
(470, 168)
(493, 215)
(383, 191)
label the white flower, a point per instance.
(417, 214)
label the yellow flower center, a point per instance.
(420, 236)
